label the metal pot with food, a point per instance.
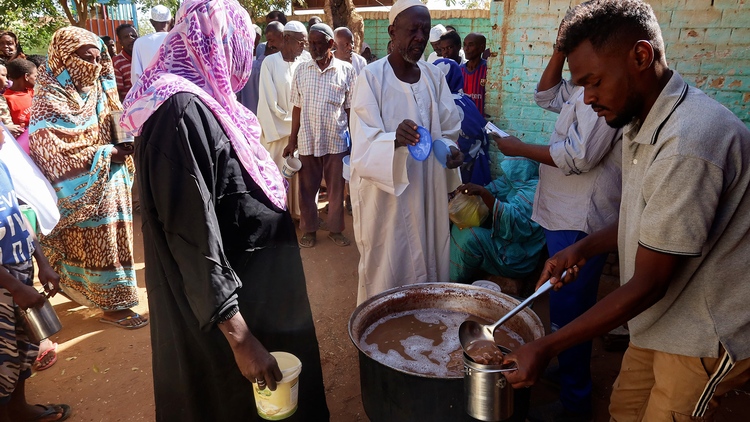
(412, 366)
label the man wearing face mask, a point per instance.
(70, 141)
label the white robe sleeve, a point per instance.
(136, 66)
(374, 156)
(268, 103)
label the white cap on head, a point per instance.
(160, 13)
(436, 32)
(257, 29)
(400, 6)
(295, 26)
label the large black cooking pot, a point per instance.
(392, 395)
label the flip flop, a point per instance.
(307, 241)
(38, 364)
(339, 239)
(52, 409)
(119, 322)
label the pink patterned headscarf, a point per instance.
(209, 53)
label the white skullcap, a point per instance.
(295, 26)
(160, 13)
(257, 29)
(400, 6)
(365, 46)
(436, 32)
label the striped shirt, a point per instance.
(322, 96)
(474, 82)
(122, 63)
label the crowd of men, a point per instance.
(288, 128)
(639, 162)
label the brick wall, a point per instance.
(465, 21)
(707, 41)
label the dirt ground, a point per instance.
(104, 372)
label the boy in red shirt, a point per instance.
(23, 74)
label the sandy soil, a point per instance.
(104, 372)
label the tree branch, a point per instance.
(67, 11)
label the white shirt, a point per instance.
(145, 49)
(433, 56)
(274, 99)
(399, 204)
(583, 192)
(358, 62)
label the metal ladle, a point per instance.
(471, 332)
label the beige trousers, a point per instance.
(655, 386)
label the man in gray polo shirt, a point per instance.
(684, 227)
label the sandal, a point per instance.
(307, 240)
(53, 409)
(39, 366)
(119, 322)
(339, 239)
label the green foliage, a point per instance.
(145, 5)
(33, 21)
(469, 4)
(258, 9)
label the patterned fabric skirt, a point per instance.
(94, 256)
(17, 352)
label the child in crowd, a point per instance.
(23, 75)
(5, 118)
(17, 352)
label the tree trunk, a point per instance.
(342, 13)
(82, 10)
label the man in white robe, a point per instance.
(274, 100)
(344, 43)
(147, 47)
(399, 204)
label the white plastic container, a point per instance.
(291, 166)
(487, 285)
(282, 403)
